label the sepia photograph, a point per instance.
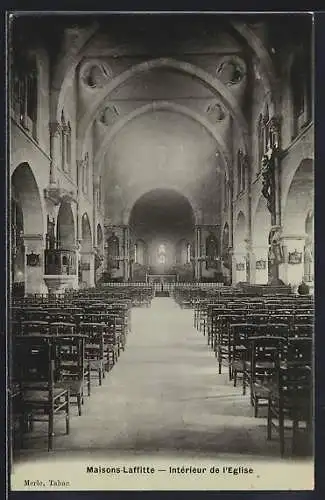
(161, 251)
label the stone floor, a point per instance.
(163, 396)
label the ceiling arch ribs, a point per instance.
(254, 42)
(160, 106)
(213, 84)
(67, 62)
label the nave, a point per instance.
(164, 395)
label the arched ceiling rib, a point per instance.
(156, 106)
(206, 79)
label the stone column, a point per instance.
(126, 253)
(239, 262)
(88, 268)
(55, 149)
(292, 269)
(259, 265)
(198, 248)
(34, 263)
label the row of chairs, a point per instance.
(268, 344)
(58, 345)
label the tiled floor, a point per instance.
(163, 396)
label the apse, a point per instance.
(161, 218)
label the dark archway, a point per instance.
(300, 198)
(26, 224)
(161, 218)
(86, 266)
(65, 227)
(100, 239)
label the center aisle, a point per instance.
(165, 395)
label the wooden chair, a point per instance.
(216, 322)
(110, 335)
(42, 398)
(70, 361)
(264, 353)
(302, 330)
(36, 314)
(33, 328)
(60, 317)
(225, 339)
(292, 396)
(94, 347)
(241, 350)
(16, 421)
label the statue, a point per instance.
(268, 187)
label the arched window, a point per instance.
(31, 105)
(243, 170)
(161, 254)
(211, 246)
(260, 138)
(63, 141)
(188, 253)
(24, 84)
(113, 250)
(225, 190)
(68, 146)
(239, 174)
(300, 83)
(85, 174)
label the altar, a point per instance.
(162, 283)
(161, 279)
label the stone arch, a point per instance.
(67, 62)
(262, 54)
(66, 227)
(159, 106)
(205, 78)
(261, 223)
(240, 233)
(298, 201)
(86, 237)
(137, 196)
(24, 184)
(27, 231)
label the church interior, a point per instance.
(161, 215)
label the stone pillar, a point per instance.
(259, 265)
(55, 149)
(88, 268)
(239, 262)
(292, 269)
(126, 253)
(34, 263)
(198, 254)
